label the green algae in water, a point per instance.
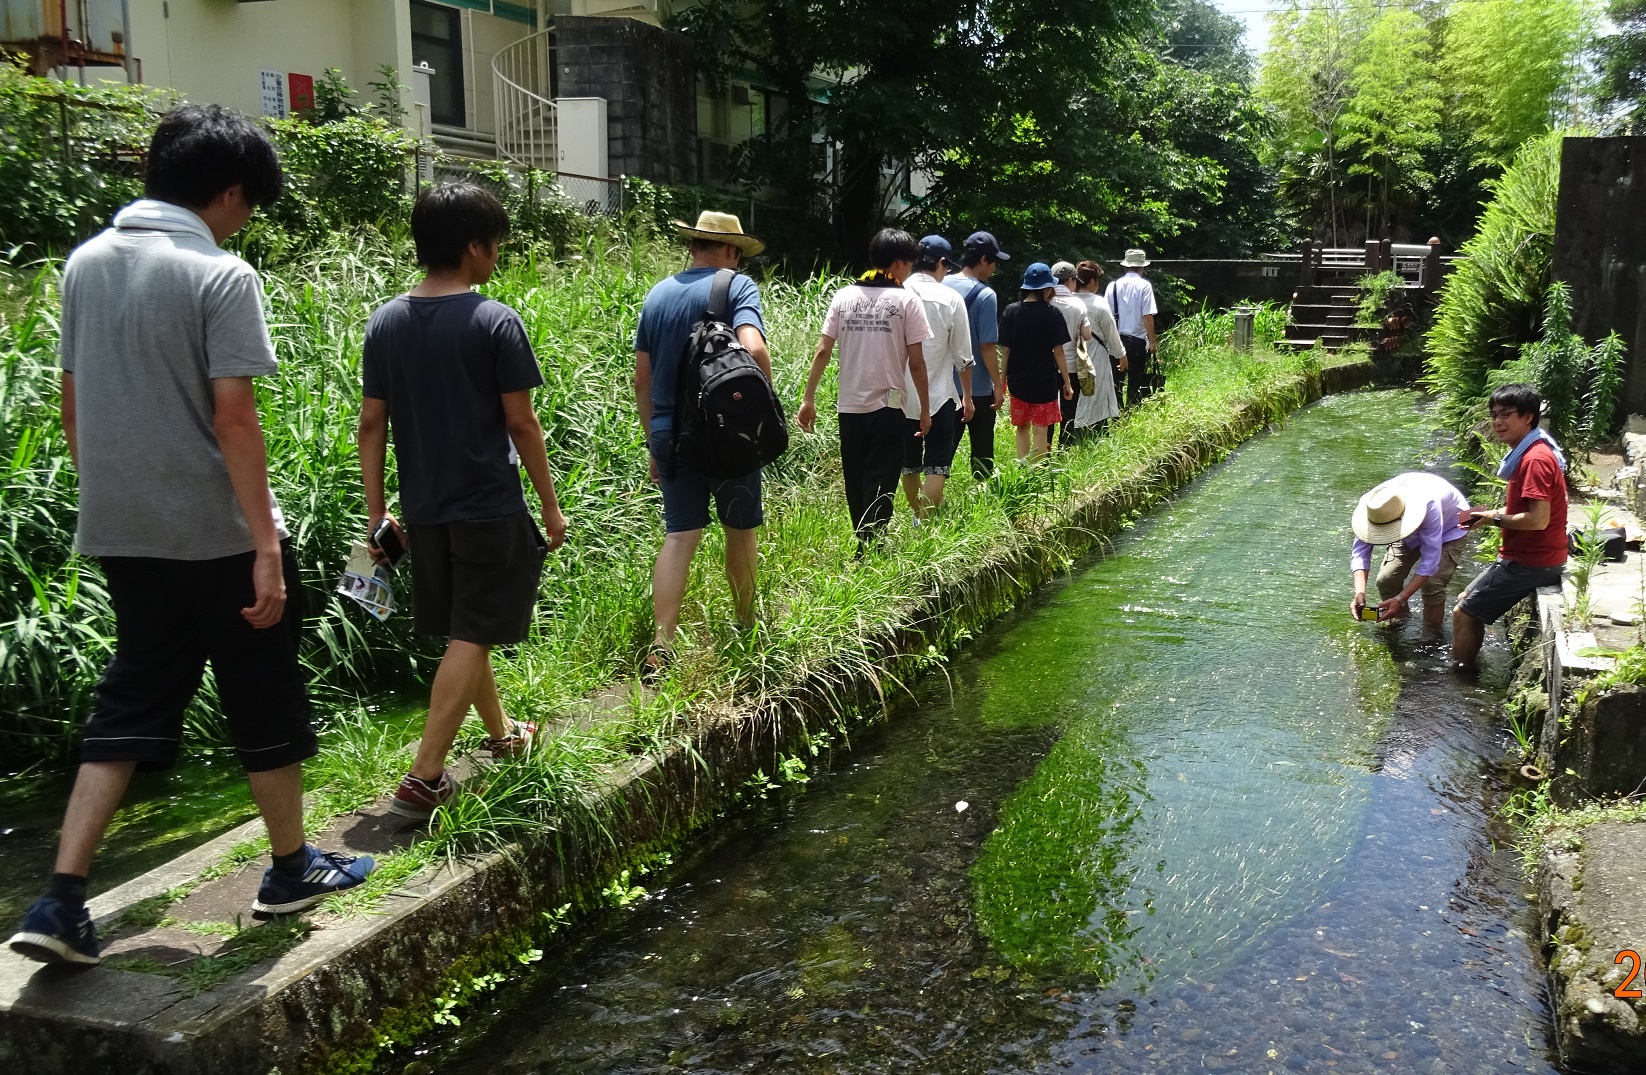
(1217, 714)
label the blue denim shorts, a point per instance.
(686, 494)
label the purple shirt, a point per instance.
(1439, 522)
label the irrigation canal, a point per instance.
(1182, 816)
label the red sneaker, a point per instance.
(418, 799)
(517, 742)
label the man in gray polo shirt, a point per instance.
(162, 333)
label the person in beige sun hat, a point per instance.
(1415, 515)
(720, 228)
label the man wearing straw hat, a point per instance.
(670, 311)
(1131, 299)
(1416, 515)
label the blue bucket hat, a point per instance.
(1038, 276)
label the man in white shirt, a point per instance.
(1073, 310)
(880, 326)
(927, 460)
(1131, 298)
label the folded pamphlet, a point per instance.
(366, 581)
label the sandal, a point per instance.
(656, 664)
(517, 742)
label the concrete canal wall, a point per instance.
(359, 983)
(1591, 867)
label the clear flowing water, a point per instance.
(1183, 815)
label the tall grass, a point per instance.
(1492, 302)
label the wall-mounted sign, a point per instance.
(302, 91)
(273, 86)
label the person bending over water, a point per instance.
(1416, 515)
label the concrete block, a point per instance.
(1589, 883)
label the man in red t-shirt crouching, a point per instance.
(1533, 519)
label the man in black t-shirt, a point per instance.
(452, 372)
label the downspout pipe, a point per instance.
(125, 29)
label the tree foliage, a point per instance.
(1088, 126)
(1514, 67)
(1393, 116)
(1393, 119)
(1623, 66)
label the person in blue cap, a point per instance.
(1032, 335)
(979, 256)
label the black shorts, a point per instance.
(1502, 586)
(171, 617)
(476, 580)
(933, 453)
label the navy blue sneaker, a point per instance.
(326, 872)
(52, 933)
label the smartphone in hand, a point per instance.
(386, 539)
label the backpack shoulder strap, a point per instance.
(720, 294)
(971, 297)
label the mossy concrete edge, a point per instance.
(362, 984)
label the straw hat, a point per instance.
(720, 228)
(1135, 259)
(1388, 513)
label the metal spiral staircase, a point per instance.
(526, 129)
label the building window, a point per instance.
(437, 40)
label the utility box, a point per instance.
(1244, 318)
(580, 136)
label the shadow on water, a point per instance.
(1184, 815)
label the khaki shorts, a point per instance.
(1402, 556)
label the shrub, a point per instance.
(1375, 289)
(69, 157)
(1579, 384)
(1492, 302)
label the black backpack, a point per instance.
(727, 419)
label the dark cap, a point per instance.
(982, 242)
(936, 248)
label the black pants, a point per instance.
(871, 459)
(1137, 361)
(981, 431)
(1067, 434)
(170, 618)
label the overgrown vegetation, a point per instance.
(1375, 289)
(1580, 385)
(1493, 300)
(71, 156)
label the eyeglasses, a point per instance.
(1504, 416)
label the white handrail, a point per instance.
(526, 131)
